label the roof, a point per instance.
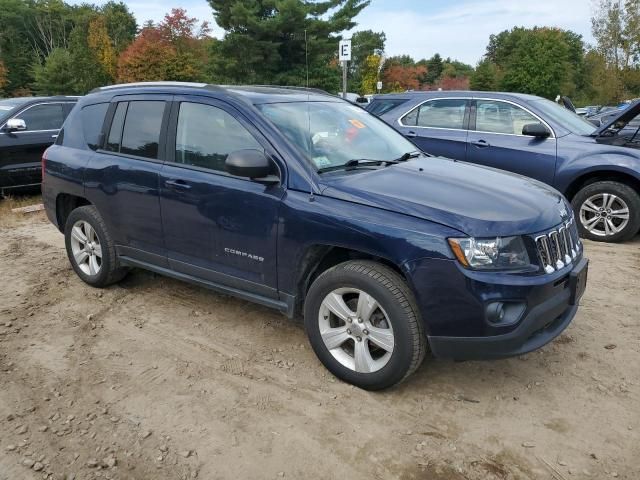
(255, 94)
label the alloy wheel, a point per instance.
(356, 330)
(604, 214)
(86, 248)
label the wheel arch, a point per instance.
(601, 175)
(65, 204)
(321, 257)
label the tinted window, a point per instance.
(142, 125)
(115, 133)
(446, 113)
(92, 120)
(384, 105)
(43, 117)
(206, 135)
(501, 117)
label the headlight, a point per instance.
(498, 253)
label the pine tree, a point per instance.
(265, 44)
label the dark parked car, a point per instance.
(28, 125)
(300, 201)
(597, 169)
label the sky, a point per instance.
(458, 29)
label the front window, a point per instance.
(501, 117)
(567, 119)
(330, 134)
(47, 116)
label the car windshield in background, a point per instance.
(383, 105)
(330, 134)
(7, 106)
(569, 120)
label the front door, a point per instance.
(438, 127)
(21, 151)
(216, 226)
(497, 141)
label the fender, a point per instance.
(618, 160)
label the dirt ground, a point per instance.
(157, 379)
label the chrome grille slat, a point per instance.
(559, 247)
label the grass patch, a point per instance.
(8, 218)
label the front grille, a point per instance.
(559, 247)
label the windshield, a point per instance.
(7, 106)
(569, 120)
(330, 134)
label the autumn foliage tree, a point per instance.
(101, 45)
(398, 77)
(175, 49)
(4, 80)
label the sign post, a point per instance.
(379, 86)
(344, 55)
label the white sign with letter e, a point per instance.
(344, 50)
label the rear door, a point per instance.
(438, 126)
(122, 178)
(21, 151)
(496, 140)
(217, 226)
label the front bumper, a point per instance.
(456, 322)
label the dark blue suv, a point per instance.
(597, 169)
(300, 201)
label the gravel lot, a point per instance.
(157, 379)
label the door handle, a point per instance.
(54, 136)
(481, 143)
(410, 134)
(177, 184)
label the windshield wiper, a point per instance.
(367, 162)
(356, 163)
(408, 155)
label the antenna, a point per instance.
(306, 55)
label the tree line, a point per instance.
(52, 47)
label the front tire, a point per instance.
(363, 324)
(607, 211)
(90, 249)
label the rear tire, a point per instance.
(607, 211)
(90, 249)
(364, 325)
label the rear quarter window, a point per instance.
(92, 120)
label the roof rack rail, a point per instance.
(290, 87)
(150, 84)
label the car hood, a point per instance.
(625, 116)
(479, 201)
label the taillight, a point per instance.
(43, 163)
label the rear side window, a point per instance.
(46, 116)
(92, 120)
(115, 133)
(444, 113)
(206, 135)
(384, 105)
(142, 125)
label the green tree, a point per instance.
(363, 45)
(542, 61)
(54, 77)
(273, 42)
(434, 66)
(121, 24)
(616, 28)
(485, 77)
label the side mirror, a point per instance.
(15, 125)
(537, 130)
(252, 164)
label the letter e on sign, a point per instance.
(344, 50)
